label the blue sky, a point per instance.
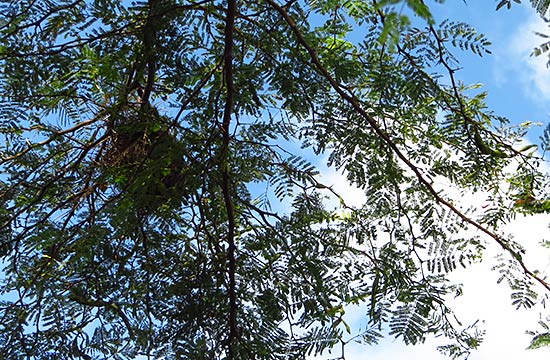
(519, 89)
(518, 83)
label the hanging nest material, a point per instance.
(133, 134)
(146, 160)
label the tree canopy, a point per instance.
(161, 198)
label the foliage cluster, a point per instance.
(157, 198)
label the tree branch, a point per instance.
(226, 180)
(354, 102)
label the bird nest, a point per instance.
(145, 160)
(133, 137)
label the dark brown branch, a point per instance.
(226, 180)
(149, 39)
(354, 102)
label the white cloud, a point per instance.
(482, 299)
(518, 60)
(351, 195)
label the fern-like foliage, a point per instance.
(541, 6)
(464, 37)
(409, 324)
(541, 340)
(161, 194)
(545, 139)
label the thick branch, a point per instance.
(149, 38)
(354, 102)
(226, 180)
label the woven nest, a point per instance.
(126, 149)
(142, 151)
(132, 137)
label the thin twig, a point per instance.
(354, 102)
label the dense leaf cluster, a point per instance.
(157, 197)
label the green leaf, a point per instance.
(542, 340)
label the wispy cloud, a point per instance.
(519, 61)
(482, 298)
